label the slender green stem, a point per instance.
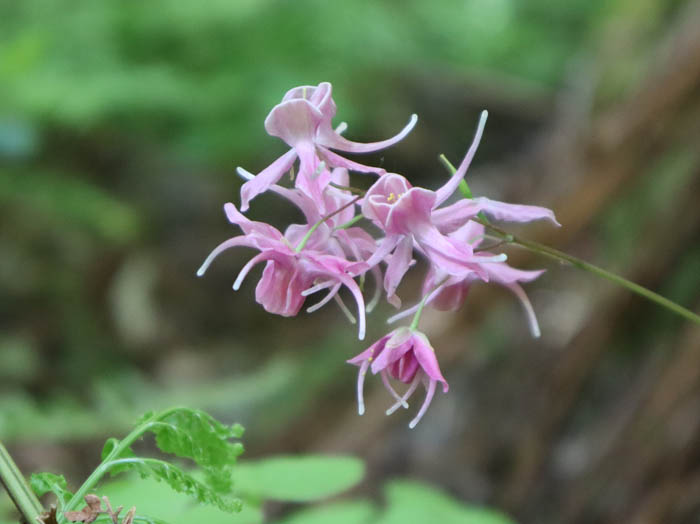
(313, 228)
(108, 461)
(21, 494)
(463, 186)
(555, 254)
(355, 190)
(354, 220)
(421, 305)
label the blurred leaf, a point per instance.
(154, 499)
(182, 482)
(43, 483)
(57, 197)
(355, 512)
(409, 501)
(303, 478)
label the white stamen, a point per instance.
(244, 272)
(246, 175)
(360, 387)
(410, 311)
(426, 403)
(377, 290)
(345, 309)
(529, 311)
(411, 388)
(317, 288)
(324, 300)
(496, 258)
(341, 128)
(218, 249)
(390, 389)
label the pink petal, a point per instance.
(450, 218)
(446, 191)
(335, 160)
(430, 391)
(371, 352)
(385, 247)
(411, 212)
(425, 354)
(514, 212)
(231, 242)
(396, 268)
(266, 178)
(390, 355)
(529, 311)
(329, 138)
(505, 274)
(293, 121)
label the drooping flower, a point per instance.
(303, 121)
(289, 273)
(448, 293)
(406, 355)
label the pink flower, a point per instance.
(407, 356)
(448, 293)
(303, 121)
(289, 275)
(410, 217)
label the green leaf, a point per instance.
(43, 483)
(182, 482)
(108, 448)
(194, 434)
(298, 478)
(355, 512)
(415, 502)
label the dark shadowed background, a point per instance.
(121, 124)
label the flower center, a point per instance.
(393, 197)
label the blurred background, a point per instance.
(121, 124)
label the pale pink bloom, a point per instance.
(410, 217)
(288, 274)
(407, 356)
(303, 121)
(448, 293)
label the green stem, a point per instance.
(21, 494)
(108, 461)
(313, 228)
(354, 220)
(555, 254)
(421, 305)
(463, 186)
(355, 190)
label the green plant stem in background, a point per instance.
(21, 494)
(560, 256)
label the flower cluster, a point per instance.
(330, 252)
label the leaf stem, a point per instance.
(108, 461)
(21, 494)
